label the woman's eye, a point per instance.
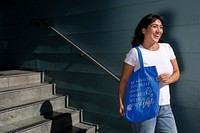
(154, 26)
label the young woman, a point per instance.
(148, 37)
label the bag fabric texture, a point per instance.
(142, 93)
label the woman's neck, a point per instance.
(151, 47)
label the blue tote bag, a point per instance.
(142, 93)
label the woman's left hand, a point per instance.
(164, 78)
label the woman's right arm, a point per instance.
(126, 73)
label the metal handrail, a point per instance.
(38, 21)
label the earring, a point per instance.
(143, 31)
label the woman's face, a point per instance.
(153, 32)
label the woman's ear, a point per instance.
(143, 30)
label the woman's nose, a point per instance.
(159, 30)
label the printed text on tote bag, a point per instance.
(140, 94)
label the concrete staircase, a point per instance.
(28, 105)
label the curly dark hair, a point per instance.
(144, 23)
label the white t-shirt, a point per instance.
(159, 58)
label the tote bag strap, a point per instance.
(140, 57)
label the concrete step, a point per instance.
(27, 105)
(30, 108)
(83, 128)
(19, 77)
(59, 121)
(18, 94)
(79, 128)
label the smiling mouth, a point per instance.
(157, 36)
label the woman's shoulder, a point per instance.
(132, 50)
(131, 53)
(165, 45)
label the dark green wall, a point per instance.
(104, 29)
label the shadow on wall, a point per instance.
(179, 115)
(168, 26)
(21, 37)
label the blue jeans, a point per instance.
(163, 123)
